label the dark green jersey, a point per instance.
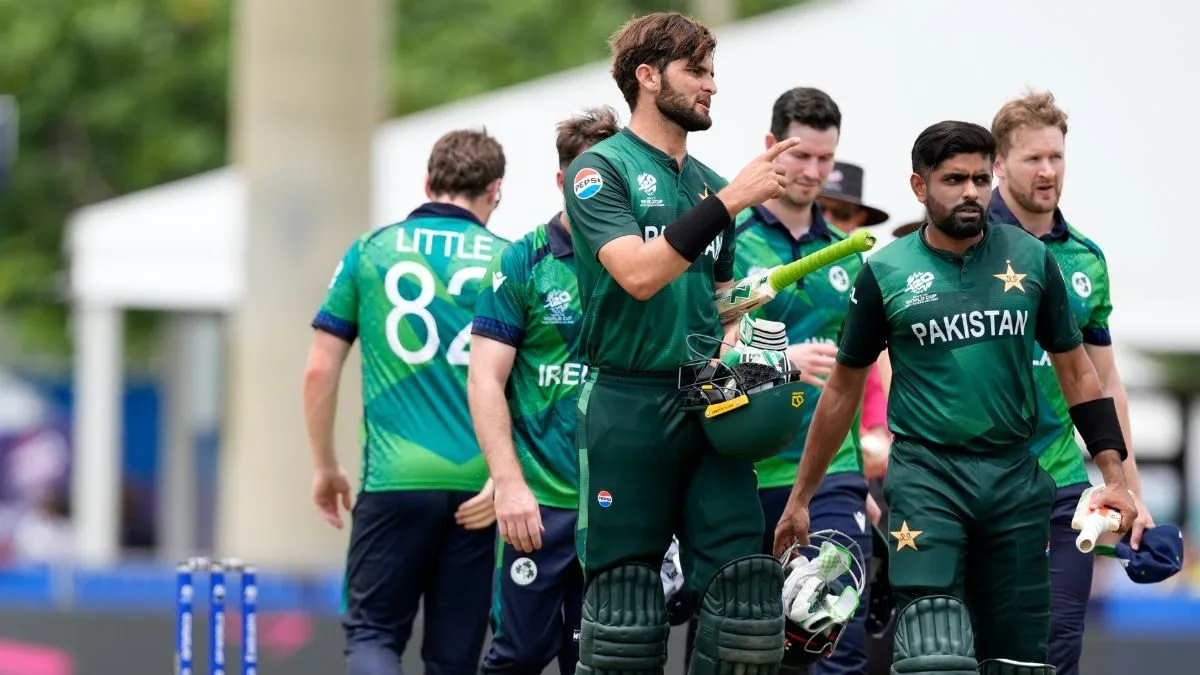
(812, 310)
(1086, 273)
(624, 186)
(531, 302)
(960, 332)
(407, 293)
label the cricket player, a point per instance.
(777, 232)
(523, 386)
(653, 234)
(960, 305)
(423, 522)
(1030, 161)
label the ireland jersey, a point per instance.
(530, 301)
(812, 310)
(624, 186)
(960, 331)
(407, 292)
(1086, 273)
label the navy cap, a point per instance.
(1158, 558)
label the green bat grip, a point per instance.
(792, 272)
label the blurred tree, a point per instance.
(121, 95)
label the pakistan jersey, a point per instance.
(531, 302)
(960, 332)
(624, 186)
(1086, 273)
(812, 310)
(407, 292)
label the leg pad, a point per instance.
(624, 628)
(1006, 667)
(741, 625)
(934, 636)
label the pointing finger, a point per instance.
(780, 148)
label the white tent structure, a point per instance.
(894, 68)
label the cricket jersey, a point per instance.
(624, 186)
(1086, 272)
(531, 302)
(407, 292)
(812, 310)
(960, 331)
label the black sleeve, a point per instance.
(1057, 331)
(865, 329)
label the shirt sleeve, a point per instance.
(1096, 331)
(1056, 328)
(500, 310)
(864, 330)
(597, 202)
(338, 314)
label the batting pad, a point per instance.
(934, 635)
(740, 631)
(624, 628)
(1006, 667)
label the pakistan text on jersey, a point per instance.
(452, 244)
(968, 325)
(569, 374)
(714, 249)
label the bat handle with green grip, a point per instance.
(786, 275)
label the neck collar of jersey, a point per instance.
(444, 210)
(560, 238)
(818, 228)
(658, 155)
(950, 255)
(999, 211)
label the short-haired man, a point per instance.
(654, 239)
(1030, 162)
(777, 232)
(406, 293)
(959, 305)
(523, 385)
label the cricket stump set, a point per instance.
(185, 593)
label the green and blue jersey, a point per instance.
(407, 293)
(812, 311)
(1085, 272)
(530, 301)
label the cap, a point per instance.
(1158, 558)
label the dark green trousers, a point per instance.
(647, 471)
(977, 527)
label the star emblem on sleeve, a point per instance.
(1011, 279)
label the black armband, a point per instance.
(1099, 425)
(696, 229)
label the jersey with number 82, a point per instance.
(407, 293)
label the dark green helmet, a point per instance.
(751, 408)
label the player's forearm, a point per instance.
(1111, 468)
(320, 410)
(830, 424)
(493, 429)
(644, 269)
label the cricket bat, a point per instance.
(1091, 524)
(757, 290)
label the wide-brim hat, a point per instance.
(845, 184)
(907, 228)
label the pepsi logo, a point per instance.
(603, 498)
(587, 183)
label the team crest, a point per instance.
(523, 571)
(1011, 279)
(906, 538)
(839, 278)
(587, 183)
(1082, 284)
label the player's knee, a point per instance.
(741, 622)
(624, 627)
(1007, 667)
(934, 635)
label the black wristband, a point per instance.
(696, 229)
(1099, 425)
